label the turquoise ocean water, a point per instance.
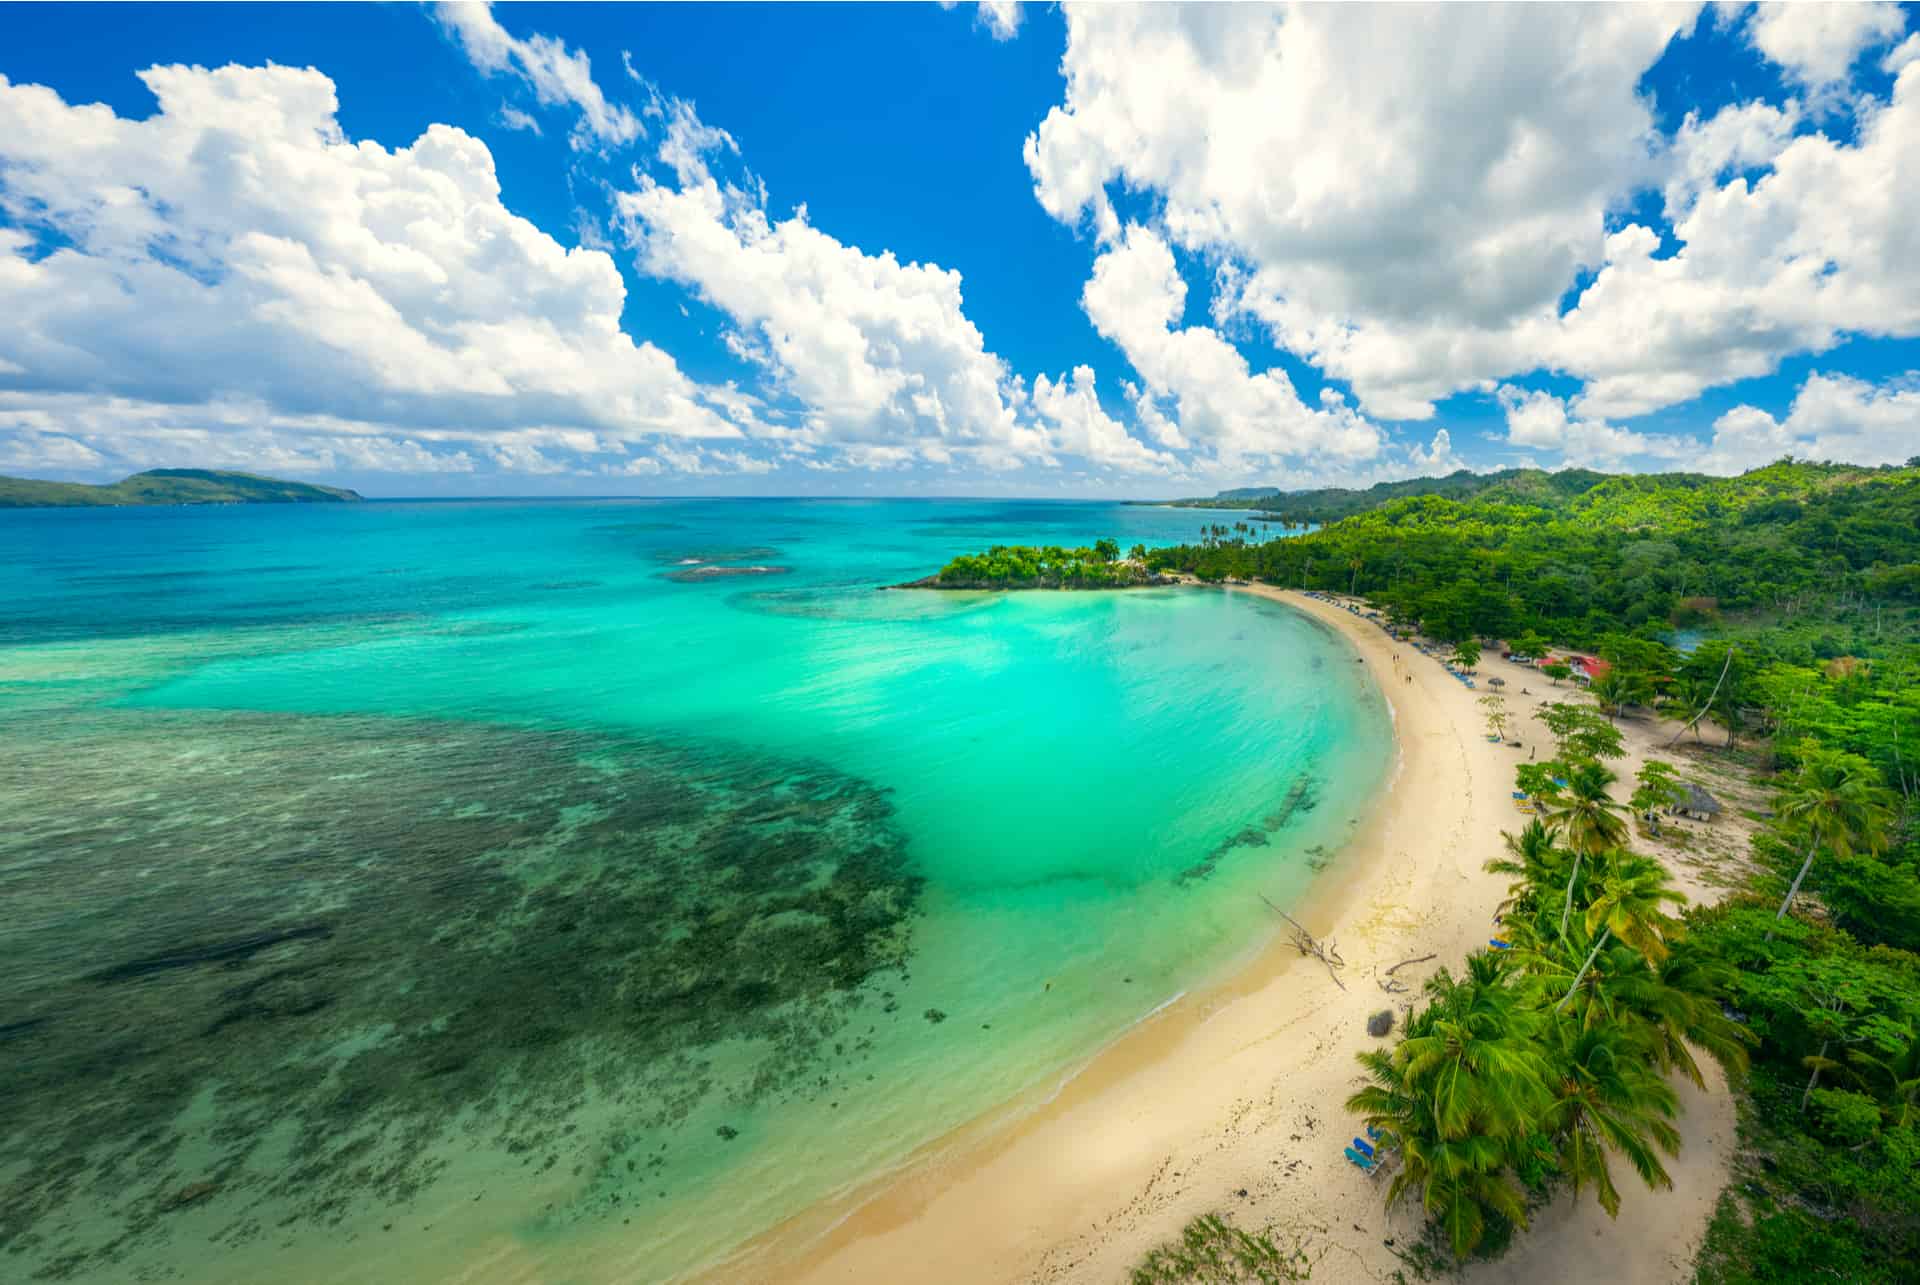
(405, 885)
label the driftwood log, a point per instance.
(1393, 985)
(1326, 952)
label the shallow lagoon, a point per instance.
(411, 881)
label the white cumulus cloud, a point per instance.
(1411, 188)
(880, 354)
(1539, 420)
(1818, 44)
(1136, 298)
(235, 248)
(557, 75)
(1833, 417)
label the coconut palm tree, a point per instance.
(1837, 798)
(1458, 1097)
(1897, 1076)
(1534, 858)
(1610, 690)
(1606, 1097)
(1473, 1049)
(1676, 1004)
(1589, 818)
(1459, 1179)
(1688, 695)
(1634, 891)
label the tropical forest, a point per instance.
(1775, 617)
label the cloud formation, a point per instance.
(879, 355)
(1834, 417)
(1409, 189)
(557, 75)
(1421, 201)
(1410, 205)
(1240, 418)
(236, 249)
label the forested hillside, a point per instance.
(1330, 504)
(1781, 610)
(167, 486)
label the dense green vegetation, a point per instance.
(167, 486)
(1545, 1068)
(1330, 504)
(1021, 566)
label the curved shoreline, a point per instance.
(1229, 1097)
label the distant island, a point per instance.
(168, 486)
(1023, 566)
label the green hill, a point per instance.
(168, 486)
(1330, 504)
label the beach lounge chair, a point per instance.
(1359, 1161)
(1373, 1133)
(1497, 944)
(1364, 1147)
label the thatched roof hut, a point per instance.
(1696, 802)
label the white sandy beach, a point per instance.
(1230, 1099)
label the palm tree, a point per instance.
(1618, 688)
(1610, 690)
(1901, 1076)
(1630, 907)
(1839, 800)
(1473, 1051)
(1690, 694)
(1590, 819)
(1607, 1097)
(1459, 1179)
(1533, 857)
(1676, 1004)
(1458, 1097)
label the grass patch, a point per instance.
(1211, 1250)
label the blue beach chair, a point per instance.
(1497, 944)
(1360, 1162)
(1373, 1133)
(1364, 1147)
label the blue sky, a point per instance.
(906, 249)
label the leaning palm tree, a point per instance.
(1589, 818)
(1837, 798)
(1472, 1051)
(1458, 1098)
(1689, 694)
(1606, 1097)
(1676, 1005)
(1459, 1178)
(1634, 892)
(1533, 857)
(1898, 1076)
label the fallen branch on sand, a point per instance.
(1326, 952)
(1393, 985)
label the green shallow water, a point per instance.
(407, 881)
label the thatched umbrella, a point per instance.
(1496, 682)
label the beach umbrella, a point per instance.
(1496, 682)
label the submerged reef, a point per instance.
(1303, 796)
(261, 968)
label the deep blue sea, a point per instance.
(571, 890)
